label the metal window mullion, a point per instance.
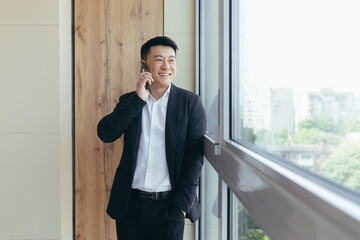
(224, 101)
(223, 191)
(224, 71)
(200, 89)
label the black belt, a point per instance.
(151, 196)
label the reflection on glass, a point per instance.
(211, 203)
(244, 227)
(297, 83)
(209, 60)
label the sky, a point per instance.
(302, 45)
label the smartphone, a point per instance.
(143, 66)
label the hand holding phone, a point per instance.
(143, 66)
(143, 82)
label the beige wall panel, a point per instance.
(66, 134)
(108, 37)
(29, 78)
(189, 231)
(66, 186)
(185, 65)
(29, 123)
(30, 208)
(29, 12)
(179, 16)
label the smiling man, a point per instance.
(155, 184)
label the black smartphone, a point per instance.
(143, 66)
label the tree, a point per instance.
(349, 125)
(308, 123)
(324, 123)
(248, 135)
(343, 166)
(247, 227)
(265, 137)
(315, 136)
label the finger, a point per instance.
(143, 76)
(151, 80)
(145, 80)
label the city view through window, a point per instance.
(319, 131)
(297, 82)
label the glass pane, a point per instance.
(209, 61)
(296, 83)
(210, 204)
(243, 226)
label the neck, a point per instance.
(157, 93)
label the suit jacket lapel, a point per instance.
(135, 133)
(171, 126)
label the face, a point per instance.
(161, 63)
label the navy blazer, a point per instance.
(184, 131)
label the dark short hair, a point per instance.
(157, 41)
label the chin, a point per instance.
(165, 83)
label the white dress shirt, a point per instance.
(151, 172)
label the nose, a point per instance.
(165, 65)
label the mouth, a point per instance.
(164, 74)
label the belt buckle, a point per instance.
(146, 197)
(149, 197)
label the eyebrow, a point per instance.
(172, 56)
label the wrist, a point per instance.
(143, 96)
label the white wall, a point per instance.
(35, 122)
(179, 25)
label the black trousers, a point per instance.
(151, 220)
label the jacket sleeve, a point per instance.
(112, 126)
(185, 195)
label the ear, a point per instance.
(143, 62)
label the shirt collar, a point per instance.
(164, 97)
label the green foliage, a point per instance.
(247, 134)
(327, 124)
(324, 123)
(282, 136)
(255, 234)
(248, 229)
(349, 125)
(265, 137)
(343, 166)
(308, 123)
(315, 136)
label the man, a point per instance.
(155, 184)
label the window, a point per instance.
(283, 92)
(244, 226)
(210, 203)
(296, 88)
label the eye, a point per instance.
(158, 59)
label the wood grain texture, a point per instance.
(108, 36)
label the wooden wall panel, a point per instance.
(108, 36)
